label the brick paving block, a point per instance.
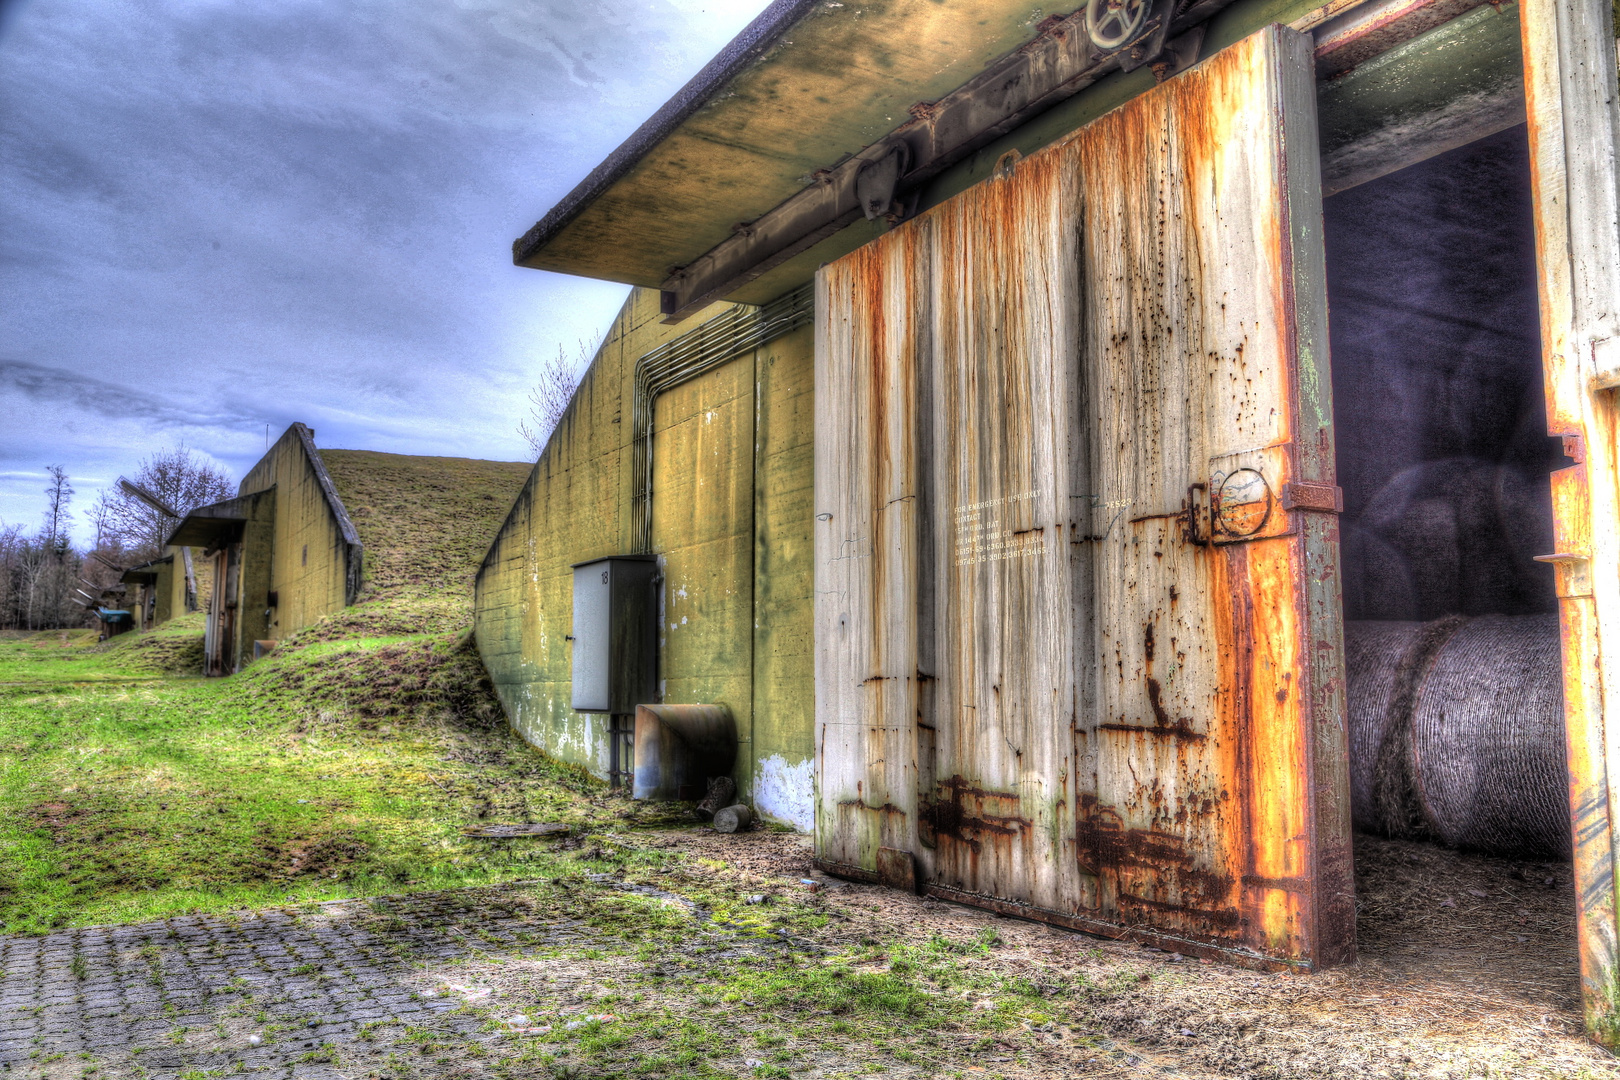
(366, 979)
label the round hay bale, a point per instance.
(1487, 740)
(1372, 658)
(1457, 732)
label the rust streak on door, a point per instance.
(1572, 102)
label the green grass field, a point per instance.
(347, 763)
(132, 790)
(344, 764)
(341, 768)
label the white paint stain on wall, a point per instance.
(784, 791)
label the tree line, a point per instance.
(46, 582)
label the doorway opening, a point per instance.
(1451, 628)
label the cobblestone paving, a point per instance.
(181, 998)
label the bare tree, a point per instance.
(548, 400)
(13, 576)
(179, 480)
(58, 493)
(39, 571)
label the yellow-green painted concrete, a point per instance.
(731, 526)
(308, 566)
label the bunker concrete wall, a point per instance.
(309, 567)
(169, 602)
(731, 526)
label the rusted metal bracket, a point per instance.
(1200, 524)
(897, 869)
(1572, 572)
(1061, 61)
(1179, 54)
(1323, 498)
(877, 181)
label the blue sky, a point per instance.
(216, 216)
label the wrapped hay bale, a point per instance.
(1457, 732)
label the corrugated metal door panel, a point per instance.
(1004, 475)
(1573, 105)
(1121, 494)
(866, 588)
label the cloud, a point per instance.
(221, 216)
(42, 384)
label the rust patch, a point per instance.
(957, 812)
(886, 809)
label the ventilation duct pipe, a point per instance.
(680, 748)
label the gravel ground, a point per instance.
(1467, 970)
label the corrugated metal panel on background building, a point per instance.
(1077, 624)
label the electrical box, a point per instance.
(615, 634)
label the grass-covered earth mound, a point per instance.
(345, 763)
(425, 522)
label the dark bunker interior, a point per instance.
(1454, 681)
(1443, 452)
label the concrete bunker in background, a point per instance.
(157, 590)
(283, 553)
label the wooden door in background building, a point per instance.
(220, 642)
(1078, 642)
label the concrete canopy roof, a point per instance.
(210, 526)
(806, 85)
(145, 573)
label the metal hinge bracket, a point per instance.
(1323, 498)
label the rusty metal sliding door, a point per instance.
(1219, 813)
(1078, 642)
(1573, 104)
(870, 322)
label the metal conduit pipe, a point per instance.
(1457, 733)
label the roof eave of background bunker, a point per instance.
(806, 85)
(207, 524)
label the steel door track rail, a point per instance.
(1061, 61)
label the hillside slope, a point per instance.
(426, 522)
